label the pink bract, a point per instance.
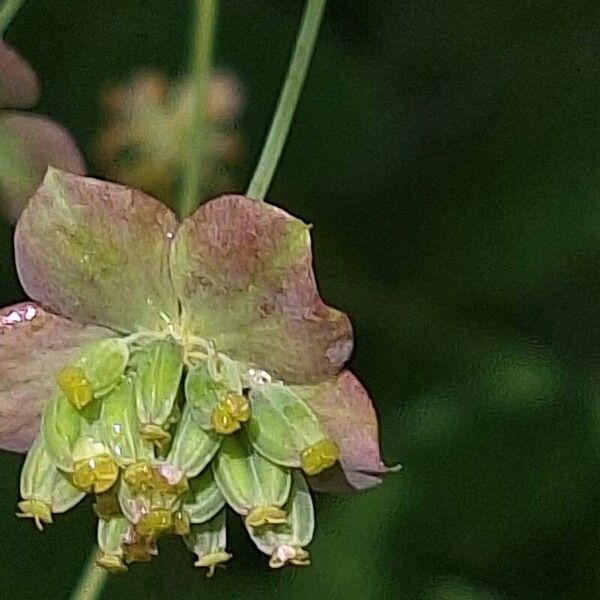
(101, 257)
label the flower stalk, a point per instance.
(238, 315)
(201, 66)
(92, 580)
(288, 99)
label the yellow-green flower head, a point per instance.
(186, 366)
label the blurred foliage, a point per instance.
(448, 154)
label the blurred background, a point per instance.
(448, 154)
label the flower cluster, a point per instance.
(178, 368)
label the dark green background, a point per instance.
(448, 153)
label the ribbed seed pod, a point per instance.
(203, 394)
(229, 374)
(37, 480)
(252, 485)
(286, 543)
(95, 372)
(208, 542)
(61, 426)
(216, 395)
(193, 447)
(44, 489)
(204, 498)
(285, 430)
(64, 494)
(159, 368)
(110, 535)
(119, 426)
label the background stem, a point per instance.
(201, 66)
(7, 13)
(91, 582)
(288, 99)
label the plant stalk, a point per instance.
(288, 99)
(91, 581)
(200, 71)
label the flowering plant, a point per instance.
(172, 367)
(155, 348)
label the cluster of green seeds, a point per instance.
(164, 438)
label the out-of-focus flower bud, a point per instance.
(285, 430)
(204, 499)
(208, 542)
(159, 367)
(286, 543)
(193, 448)
(143, 138)
(252, 485)
(29, 143)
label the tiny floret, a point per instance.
(320, 456)
(155, 523)
(76, 386)
(37, 510)
(96, 474)
(229, 414)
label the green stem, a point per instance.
(288, 100)
(201, 66)
(7, 13)
(91, 582)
